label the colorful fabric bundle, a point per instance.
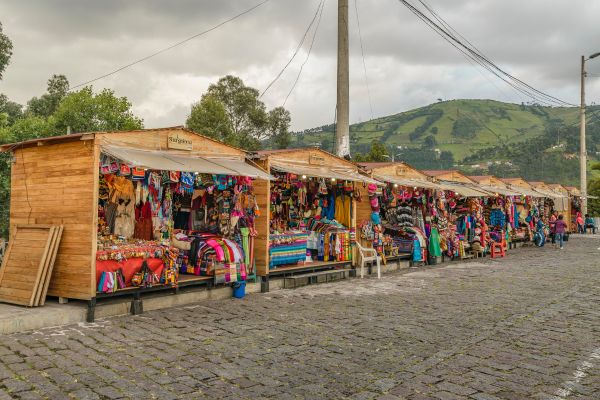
(110, 282)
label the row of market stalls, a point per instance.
(165, 208)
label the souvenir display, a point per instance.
(155, 225)
(310, 220)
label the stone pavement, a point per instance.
(527, 326)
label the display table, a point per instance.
(129, 267)
(287, 248)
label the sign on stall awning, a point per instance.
(323, 172)
(164, 160)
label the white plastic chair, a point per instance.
(368, 255)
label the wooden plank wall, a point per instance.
(363, 208)
(54, 184)
(157, 140)
(262, 190)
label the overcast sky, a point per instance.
(408, 65)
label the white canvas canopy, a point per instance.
(408, 182)
(465, 189)
(164, 160)
(322, 172)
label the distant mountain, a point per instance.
(477, 136)
(461, 127)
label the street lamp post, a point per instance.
(582, 149)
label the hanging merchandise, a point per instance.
(310, 220)
(158, 227)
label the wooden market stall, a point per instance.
(562, 203)
(400, 210)
(575, 201)
(71, 181)
(493, 184)
(458, 182)
(310, 205)
(521, 186)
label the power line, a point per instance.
(295, 52)
(481, 59)
(362, 52)
(173, 45)
(449, 27)
(308, 54)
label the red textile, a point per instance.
(143, 222)
(129, 267)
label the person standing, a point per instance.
(552, 224)
(579, 221)
(560, 227)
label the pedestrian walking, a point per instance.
(540, 236)
(560, 227)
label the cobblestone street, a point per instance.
(527, 326)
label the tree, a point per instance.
(278, 124)
(85, 111)
(47, 104)
(429, 142)
(377, 153)
(247, 121)
(13, 111)
(5, 51)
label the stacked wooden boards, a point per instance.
(28, 263)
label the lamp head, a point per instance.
(595, 55)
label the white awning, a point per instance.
(408, 182)
(465, 189)
(323, 172)
(547, 193)
(164, 160)
(526, 192)
(500, 190)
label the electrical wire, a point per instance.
(308, 54)
(483, 60)
(295, 52)
(362, 52)
(172, 46)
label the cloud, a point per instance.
(408, 65)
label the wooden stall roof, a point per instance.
(489, 180)
(399, 169)
(520, 182)
(131, 137)
(538, 184)
(449, 175)
(573, 191)
(558, 187)
(303, 154)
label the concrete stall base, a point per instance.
(15, 319)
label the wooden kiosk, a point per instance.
(55, 181)
(397, 176)
(493, 184)
(307, 165)
(458, 182)
(521, 186)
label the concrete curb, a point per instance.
(16, 319)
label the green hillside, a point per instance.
(462, 127)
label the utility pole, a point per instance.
(342, 131)
(582, 150)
